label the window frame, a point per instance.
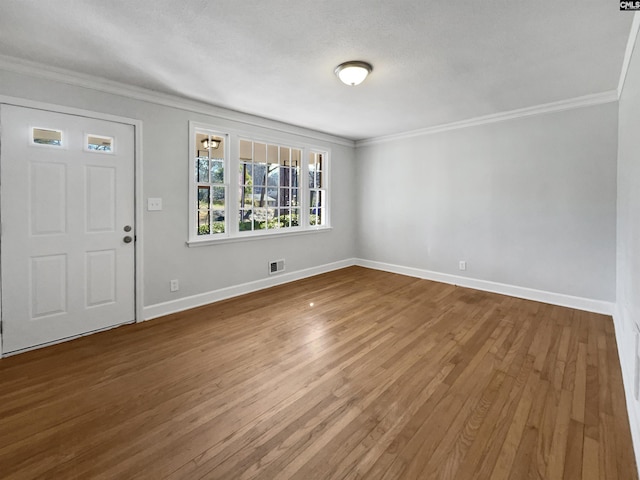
(232, 184)
(194, 129)
(279, 144)
(326, 209)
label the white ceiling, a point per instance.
(435, 61)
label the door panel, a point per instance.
(101, 277)
(48, 291)
(66, 270)
(48, 198)
(101, 203)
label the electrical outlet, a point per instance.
(175, 285)
(462, 265)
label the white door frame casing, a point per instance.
(138, 197)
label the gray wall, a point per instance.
(529, 202)
(628, 251)
(628, 278)
(165, 174)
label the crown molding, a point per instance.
(91, 82)
(631, 42)
(34, 69)
(569, 104)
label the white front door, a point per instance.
(67, 212)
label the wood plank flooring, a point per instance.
(348, 375)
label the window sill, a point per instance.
(261, 236)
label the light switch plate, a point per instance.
(154, 204)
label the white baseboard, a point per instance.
(625, 338)
(579, 303)
(185, 303)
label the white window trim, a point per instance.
(232, 164)
(193, 185)
(258, 236)
(302, 173)
(327, 185)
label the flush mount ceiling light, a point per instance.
(210, 143)
(353, 73)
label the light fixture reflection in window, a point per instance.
(210, 143)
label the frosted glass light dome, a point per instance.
(353, 73)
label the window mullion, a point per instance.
(305, 190)
(253, 189)
(200, 178)
(231, 176)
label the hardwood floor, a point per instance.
(352, 374)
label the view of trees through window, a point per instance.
(268, 178)
(316, 189)
(210, 183)
(242, 187)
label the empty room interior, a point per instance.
(319, 240)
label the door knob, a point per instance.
(127, 228)
(127, 239)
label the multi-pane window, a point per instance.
(269, 190)
(317, 189)
(242, 187)
(211, 190)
